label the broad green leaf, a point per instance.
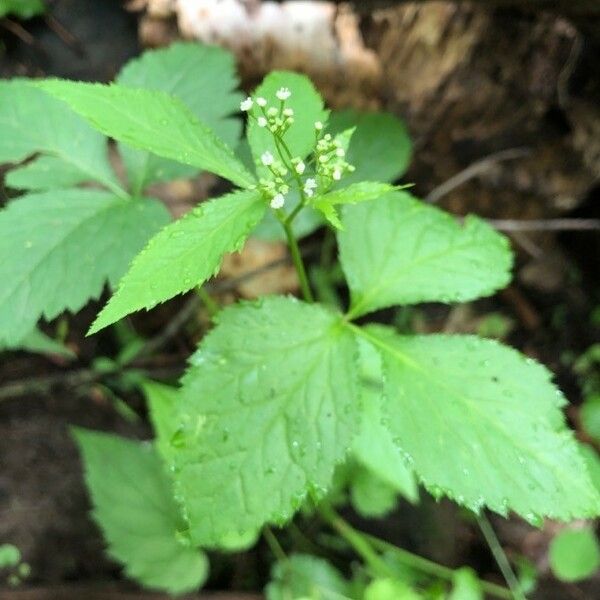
(390, 589)
(45, 173)
(23, 9)
(482, 424)
(307, 105)
(306, 576)
(162, 406)
(31, 121)
(575, 554)
(37, 341)
(357, 192)
(133, 505)
(371, 496)
(184, 254)
(374, 446)
(466, 585)
(204, 79)
(380, 148)
(268, 408)
(153, 121)
(59, 248)
(398, 250)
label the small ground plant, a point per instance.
(286, 401)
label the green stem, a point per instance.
(211, 305)
(274, 544)
(500, 557)
(297, 260)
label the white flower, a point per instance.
(261, 101)
(340, 152)
(318, 125)
(337, 174)
(262, 122)
(288, 112)
(300, 168)
(310, 185)
(283, 93)
(246, 104)
(278, 201)
(266, 158)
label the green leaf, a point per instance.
(482, 424)
(59, 248)
(23, 9)
(357, 192)
(307, 105)
(371, 496)
(268, 408)
(162, 405)
(390, 589)
(45, 173)
(134, 507)
(590, 416)
(37, 341)
(184, 254)
(204, 79)
(593, 463)
(306, 576)
(380, 148)
(10, 556)
(398, 250)
(374, 446)
(153, 121)
(466, 585)
(575, 554)
(31, 121)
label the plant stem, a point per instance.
(209, 303)
(297, 260)
(500, 557)
(274, 544)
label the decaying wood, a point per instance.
(470, 81)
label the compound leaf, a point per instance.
(482, 424)
(204, 79)
(307, 105)
(31, 121)
(134, 507)
(150, 120)
(59, 248)
(268, 408)
(184, 254)
(398, 250)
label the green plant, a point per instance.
(281, 391)
(23, 9)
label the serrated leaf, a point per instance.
(268, 408)
(352, 194)
(60, 247)
(23, 9)
(374, 446)
(575, 554)
(306, 576)
(134, 508)
(398, 250)
(184, 254)
(153, 121)
(31, 121)
(482, 424)
(307, 105)
(162, 405)
(204, 79)
(45, 173)
(380, 148)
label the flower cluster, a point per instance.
(277, 119)
(330, 153)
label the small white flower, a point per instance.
(246, 105)
(267, 158)
(340, 152)
(310, 185)
(318, 125)
(283, 93)
(278, 201)
(272, 111)
(261, 101)
(300, 168)
(288, 112)
(337, 174)
(262, 122)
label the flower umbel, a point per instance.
(283, 94)
(246, 105)
(277, 201)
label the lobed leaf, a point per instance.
(268, 408)
(134, 507)
(184, 254)
(482, 424)
(400, 251)
(60, 247)
(153, 121)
